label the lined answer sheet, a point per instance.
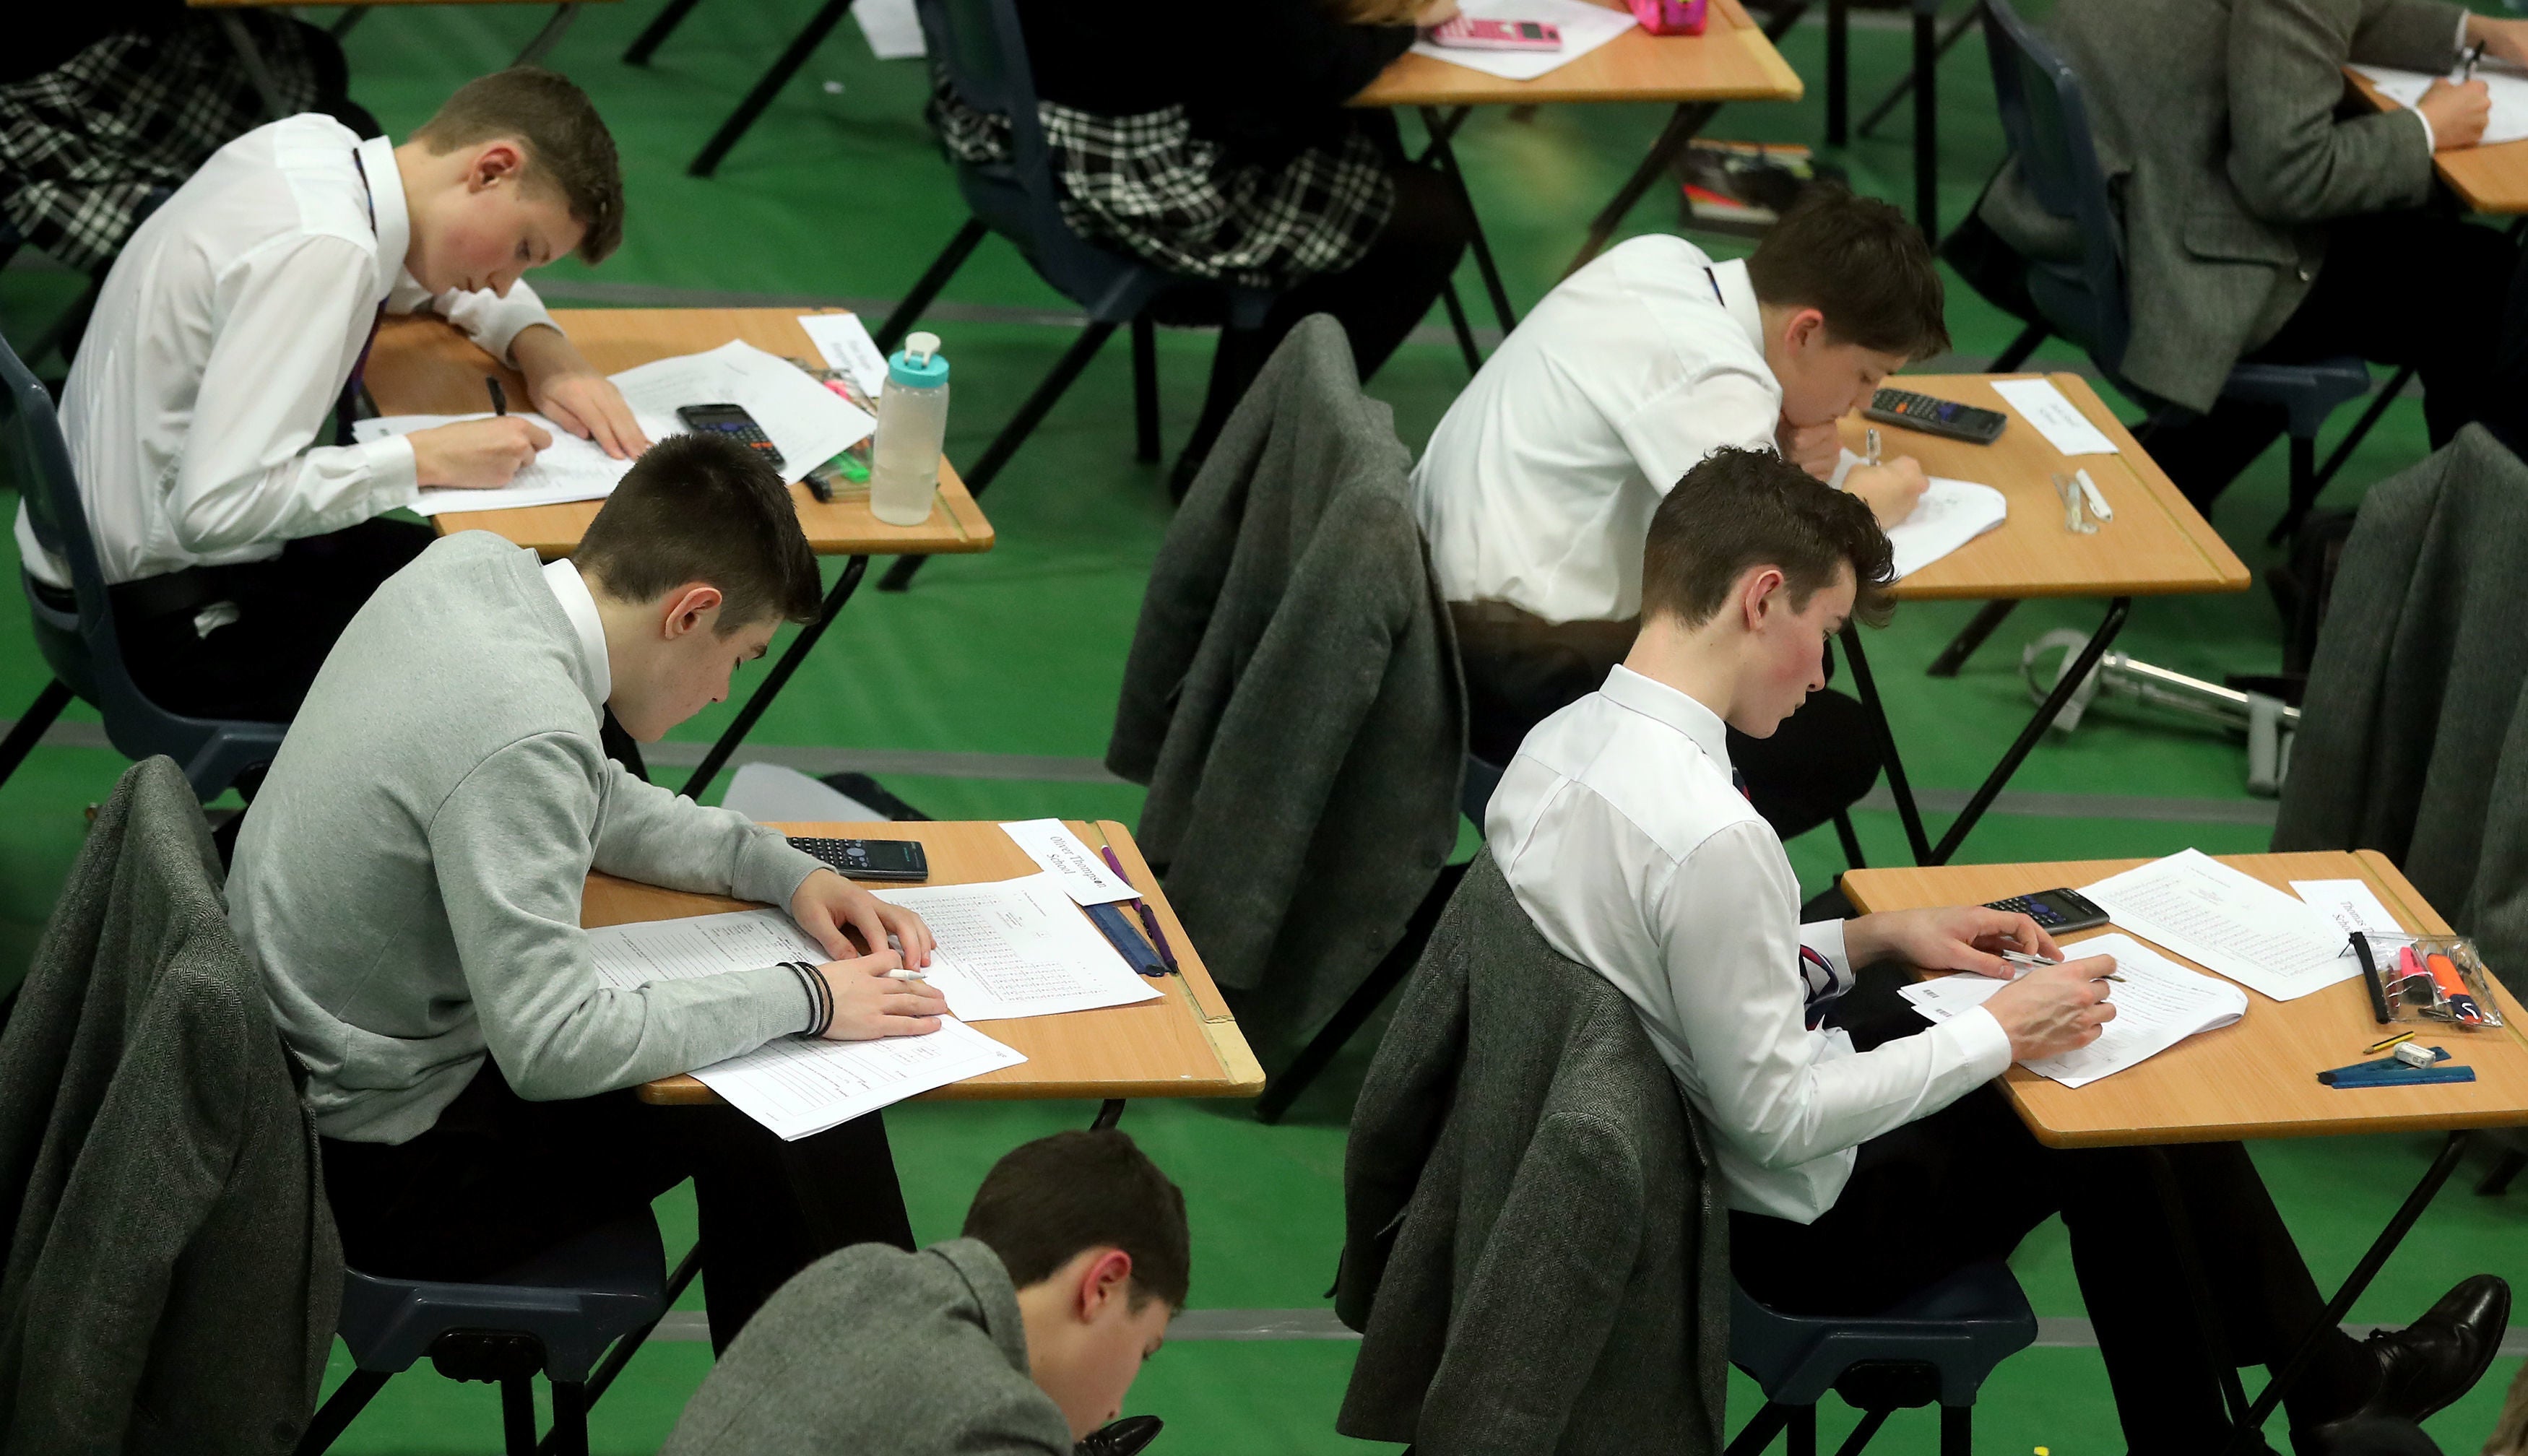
(568, 468)
(792, 1085)
(2158, 1004)
(1019, 948)
(2230, 921)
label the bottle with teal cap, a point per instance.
(912, 425)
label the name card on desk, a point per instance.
(2056, 418)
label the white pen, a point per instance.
(2097, 501)
(900, 973)
(1869, 444)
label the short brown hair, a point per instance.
(1861, 264)
(568, 148)
(1739, 509)
(1046, 1201)
(704, 508)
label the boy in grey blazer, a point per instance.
(1016, 1339)
(409, 884)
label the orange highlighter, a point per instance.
(2453, 991)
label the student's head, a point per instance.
(1094, 1237)
(695, 560)
(1758, 562)
(1850, 296)
(513, 172)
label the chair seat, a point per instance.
(2310, 391)
(577, 1298)
(1112, 286)
(1963, 1327)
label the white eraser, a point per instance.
(2414, 1056)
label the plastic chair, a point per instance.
(556, 1313)
(1936, 1347)
(74, 630)
(981, 48)
(2046, 120)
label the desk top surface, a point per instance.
(1730, 61)
(422, 366)
(2258, 1077)
(2487, 179)
(1185, 1043)
(2158, 544)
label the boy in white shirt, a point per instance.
(1862, 1167)
(234, 545)
(1540, 482)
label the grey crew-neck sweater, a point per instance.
(408, 881)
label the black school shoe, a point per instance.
(1132, 1432)
(2439, 1356)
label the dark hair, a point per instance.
(1861, 264)
(1048, 1200)
(1738, 509)
(568, 149)
(704, 508)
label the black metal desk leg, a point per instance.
(2117, 610)
(712, 762)
(802, 46)
(659, 30)
(241, 41)
(1108, 1116)
(1839, 71)
(1682, 124)
(547, 37)
(1903, 792)
(2271, 1397)
(1444, 159)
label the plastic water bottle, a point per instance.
(912, 423)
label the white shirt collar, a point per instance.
(1738, 296)
(1656, 700)
(385, 195)
(596, 674)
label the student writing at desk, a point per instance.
(1539, 483)
(1861, 1166)
(408, 883)
(2261, 222)
(234, 545)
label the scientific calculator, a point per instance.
(869, 859)
(1933, 416)
(733, 421)
(2056, 912)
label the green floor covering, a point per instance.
(839, 194)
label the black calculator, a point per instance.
(2055, 911)
(1936, 416)
(899, 860)
(734, 422)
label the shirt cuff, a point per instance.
(1826, 937)
(492, 321)
(1980, 1042)
(2431, 143)
(395, 474)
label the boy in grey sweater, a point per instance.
(409, 879)
(1016, 1339)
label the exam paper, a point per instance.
(845, 342)
(2505, 85)
(2232, 922)
(1058, 852)
(1951, 513)
(2055, 417)
(891, 29)
(568, 468)
(1584, 27)
(2158, 1004)
(808, 423)
(1018, 948)
(793, 1085)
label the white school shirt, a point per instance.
(1621, 830)
(570, 589)
(220, 343)
(1538, 486)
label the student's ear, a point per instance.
(496, 162)
(1107, 1279)
(1805, 329)
(690, 608)
(1757, 592)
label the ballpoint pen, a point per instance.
(2021, 957)
(2474, 53)
(499, 401)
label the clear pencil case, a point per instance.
(2427, 978)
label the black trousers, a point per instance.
(1966, 1184)
(1377, 300)
(2396, 289)
(498, 1180)
(1521, 669)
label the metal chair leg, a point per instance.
(570, 1418)
(898, 324)
(2304, 485)
(1146, 391)
(1850, 838)
(341, 1408)
(1861, 1432)
(1802, 1441)
(518, 1416)
(30, 728)
(1957, 1430)
(1759, 1430)
(1458, 321)
(1015, 433)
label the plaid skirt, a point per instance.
(1147, 186)
(85, 145)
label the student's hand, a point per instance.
(1815, 448)
(2458, 113)
(2502, 40)
(1958, 937)
(825, 903)
(868, 1003)
(2055, 1009)
(569, 391)
(475, 455)
(1891, 488)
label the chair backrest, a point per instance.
(2045, 119)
